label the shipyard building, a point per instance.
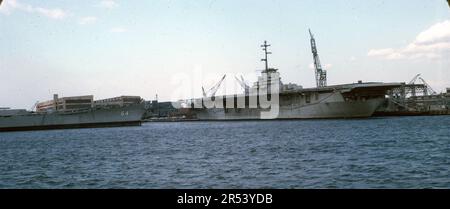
(84, 102)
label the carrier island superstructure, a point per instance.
(353, 100)
(75, 112)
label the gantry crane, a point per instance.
(212, 91)
(414, 79)
(33, 108)
(430, 90)
(243, 84)
(321, 75)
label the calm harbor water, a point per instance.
(394, 152)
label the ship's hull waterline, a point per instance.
(101, 117)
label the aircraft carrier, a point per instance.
(75, 112)
(344, 101)
(354, 100)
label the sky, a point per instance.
(109, 48)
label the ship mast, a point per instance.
(321, 75)
(264, 46)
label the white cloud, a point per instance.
(432, 43)
(11, 5)
(87, 20)
(388, 53)
(440, 32)
(380, 52)
(108, 4)
(118, 30)
(51, 13)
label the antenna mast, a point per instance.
(321, 75)
(264, 46)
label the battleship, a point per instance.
(355, 100)
(75, 112)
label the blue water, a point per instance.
(395, 152)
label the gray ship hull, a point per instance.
(353, 101)
(100, 117)
(316, 111)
